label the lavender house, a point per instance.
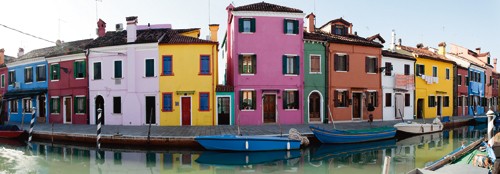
(264, 63)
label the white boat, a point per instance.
(420, 128)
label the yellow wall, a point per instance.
(186, 68)
(433, 149)
(444, 86)
(179, 167)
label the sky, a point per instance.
(467, 23)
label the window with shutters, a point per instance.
(13, 106)
(28, 74)
(149, 68)
(420, 70)
(434, 71)
(341, 98)
(291, 99)
(291, 26)
(339, 30)
(204, 101)
(27, 105)
(247, 64)
(12, 77)
(407, 99)
(372, 98)
(117, 105)
(341, 62)
(459, 80)
(79, 69)
(3, 80)
(80, 104)
(447, 74)
(432, 101)
(291, 65)
(407, 69)
(246, 25)
(118, 69)
(41, 73)
(315, 64)
(371, 64)
(247, 100)
(55, 105)
(167, 66)
(446, 101)
(388, 99)
(55, 72)
(388, 70)
(97, 71)
(205, 65)
(167, 102)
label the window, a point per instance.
(204, 101)
(55, 72)
(247, 100)
(55, 105)
(341, 62)
(446, 101)
(80, 105)
(97, 71)
(117, 156)
(3, 80)
(388, 70)
(291, 26)
(118, 69)
(28, 75)
(407, 99)
(447, 74)
(79, 69)
(291, 64)
(341, 98)
(466, 80)
(40, 73)
(291, 99)
(339, 30)
(407, 69)
(315, 64)
(388, 99)
(459, 80)
(371, 65)
(149, 67)
(27, 105)
(13, 106)
(434, 71)
(117, 105)
(205, 65)
(167, 66)
(246, 25)
(432, 101)
(420, 70)
(247, 64)
(12, 77)
(167, 102)
(372, 98)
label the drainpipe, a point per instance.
(327, 85)
(455, 90)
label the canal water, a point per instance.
(406, 154)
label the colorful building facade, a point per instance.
(265, 67)
(3, 84)
(225, 105)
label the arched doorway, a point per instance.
(315, 107)
(99, 103)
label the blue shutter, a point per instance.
(205, 65)
(204, 102)
(167, 65)
(167, 102)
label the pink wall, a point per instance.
(269, 43)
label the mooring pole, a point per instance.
(99, 115)
(32, 124)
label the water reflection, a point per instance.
(406, 154)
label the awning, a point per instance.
(12, 95)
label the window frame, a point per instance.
(51, 103)
(447, 73)
(209, 65)
(58, 72)
(114, 109)
(77, 64)
(253, 64)
(369, 95)
(30, 110)
(407, 101)
(435, 74)
(407, 69)
(200, 104)
(163, 65)
(433, 101)
(44, 72)
(371, 63)
(286, 99)
(446, 101)
(11, 81)
(163, 109)
(16, 106)
(75, 103)
(252, 22)
(344, 64)
(114, 69)
(253, 106)
(388, 100)
(2, 80)
(419, 68)
(93, 70)
(310, 64)
(459, 79)
(26, 69)
(294, 29)
(293, 66)
(146, 68)
(344, 94)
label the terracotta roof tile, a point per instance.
(349, 39)
(179, 39)
(264, 6)
(337, 20)
(314, 36)
(377, 36)
(425, 53)
(223, 88)
(388, 53)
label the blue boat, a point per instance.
(245, 158)
(246, 143)
(327, 151)
(481, 119)
(353, 136)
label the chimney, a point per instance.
(214, 28)
(494, 63)
(400, 42)
(442, 48)
(420, 45)
(20, 53)
(2, 56)
(131, 28)
(311, 18)
(393, 41)
(101, 28)
(478, 50)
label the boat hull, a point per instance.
(246, 143)
(418, 128)
(481, 119)
(339, 137)
(12, 134)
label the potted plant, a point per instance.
(292, 105)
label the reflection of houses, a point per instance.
(185, 163)
(124, 162)
(61, 159)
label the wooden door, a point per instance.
(67, 110)
(223, 111)
(356, 105)
(41, 108)
(439, 106)
(150, 110)
(314, 107)
(186, 111)
(400, 105)
(269, 108)
(420, 108)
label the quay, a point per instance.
(183, 136)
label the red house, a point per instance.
(68, 83)
(3, 83)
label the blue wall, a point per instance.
(476, 89)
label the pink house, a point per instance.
(264, 63)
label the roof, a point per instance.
(377, 36)
(388, 53)
(264, 6)
(65, 48)
(336, 20)
(172, 37)
(224, 88)
(350, 39)
(425, 53)
(314, 36)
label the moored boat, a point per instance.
(419, 128)
(247, 143)
(481, 119)
(11, 132)
(352, 136)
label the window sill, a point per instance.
(80, 78)
(342, 71)
(247, 110)
(55, 113)
(117, 78)
(371, 73)
(315, 73)
(96, 79)
(341, 107)
(40, 81)
(28, 83)
(54, 80)
(291, 109)
(247, 32)
(291, 34)
(167, 74)
(149, 77)
(79, 113)
(167, 110)
(204, 74)
(292, 75)
(247, 74)
(203, 110)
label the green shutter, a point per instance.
(295, 27)
(254, 64)
(296, 65)
(254, 99)
(58, 101)
(84, 69)
(84, 104)
(50, 71)
(284, 25)
(240, 64)
(75, 105)
(58, 69)
(240, 25)
(75, 69)
(285, 96)
(241, 100)
(284, 63)
(252, 25)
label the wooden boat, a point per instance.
(11, 132)
(419, 128)
(353, 136)
(246, 143)
(245, 158)
(327, 151)
(481, 119)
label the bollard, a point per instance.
(99, 115)
(32, 123)
(491, 120)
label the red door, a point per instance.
(186, 111)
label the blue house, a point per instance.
(476, 81)
(27, 86)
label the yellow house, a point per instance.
(434, 85)
(188, 77)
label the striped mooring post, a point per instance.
(32, 123)
(99, 117)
